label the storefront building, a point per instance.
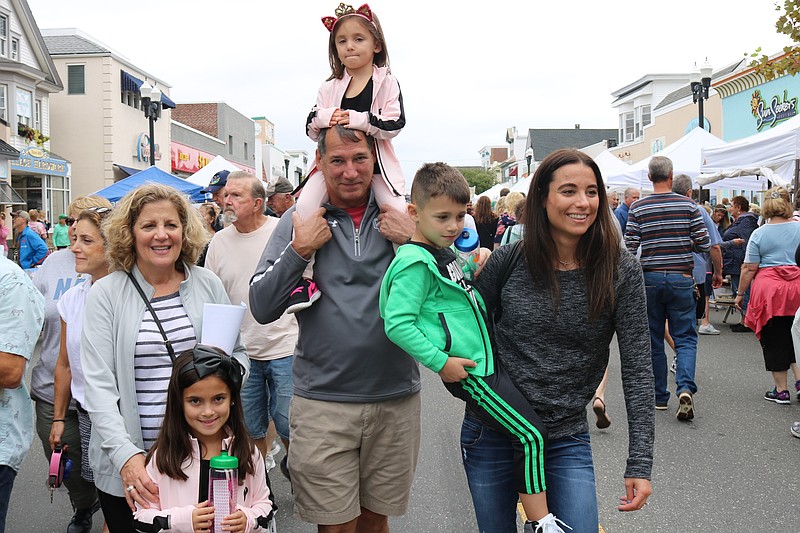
(751, 105)
(97, 122)
(42, 179)
(30, 176)
(203, 131)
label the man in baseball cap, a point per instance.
(217, 189)
(279, 196)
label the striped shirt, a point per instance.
(668, 227)
(152, 364)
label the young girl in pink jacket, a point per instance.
(203, 417)
(362, 94)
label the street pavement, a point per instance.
(734, 468)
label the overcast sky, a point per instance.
(468, 70)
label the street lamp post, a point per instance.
(700, 82)
(528, 158)
(151, 105)
(287, 159)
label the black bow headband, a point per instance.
(206, 360)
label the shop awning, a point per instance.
(7, 151)
(132, 83)
(130, 171)
(8, 196)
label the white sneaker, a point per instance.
(548, 524)
(708, 329)
(276, 447)
(269, 462)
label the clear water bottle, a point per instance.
(223, 484)
(467, 245)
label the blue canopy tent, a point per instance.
(152, 175)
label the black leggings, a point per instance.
(118, 515)
(777, 344)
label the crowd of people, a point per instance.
(128, 294)
(346, 292)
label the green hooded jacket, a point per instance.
(432, 317)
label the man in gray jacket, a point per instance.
(356, 394)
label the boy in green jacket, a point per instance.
(435, 315)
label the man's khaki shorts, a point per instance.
(344, 456)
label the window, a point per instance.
(3, 35)
(642, 120)
(645, 115)
(3, 100)
(24, 107)
(15, 49)
(627, 126)
(76, 80)
(245, 150)
(37, 115)
(230, 144)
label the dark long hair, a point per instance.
(598, 249)
(173, 442)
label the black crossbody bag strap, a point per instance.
(167, 342)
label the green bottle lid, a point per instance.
(224, 461)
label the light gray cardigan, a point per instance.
(112, 318)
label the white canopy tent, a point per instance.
(686, 156)
(494, 192)
(522, 185)
(777, 149)
(204, 175)
(610, 165)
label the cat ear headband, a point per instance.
(345, 10)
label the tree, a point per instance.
(479, 178)
(788, 24)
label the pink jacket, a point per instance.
(385, 119)
(178, 498)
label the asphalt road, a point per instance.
(734, 468)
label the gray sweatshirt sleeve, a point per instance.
(633, 338)
(278, 272)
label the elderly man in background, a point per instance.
(22, 314)
(279, 196)
(682, 184)
(669, 227)
(621, 212)
(32, 248)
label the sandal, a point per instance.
(603, 421)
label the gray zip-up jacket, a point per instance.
(342, 351)
(111, 322)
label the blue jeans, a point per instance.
(735, 288)
(267, 393)
(671, 297)
(489, 463)
(7, 476)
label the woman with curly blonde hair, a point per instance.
(136, 319)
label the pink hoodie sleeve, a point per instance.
(257, 503)
(321, 113)
(390, 118)
(180, 518)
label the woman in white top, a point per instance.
(89, 248)
(90, 259)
